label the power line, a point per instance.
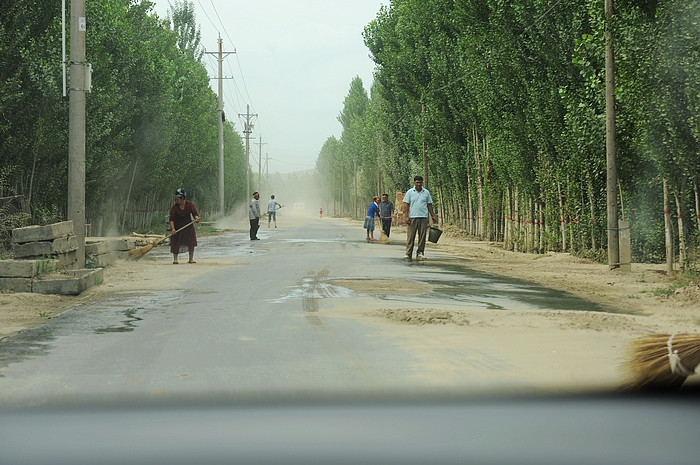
(234, 103)
(205, 14)
(222, 24)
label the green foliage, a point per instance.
(9, 217)
(679, 281)
(508, 99)
(151, 118)
(45, 265)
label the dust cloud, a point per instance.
(299, 193)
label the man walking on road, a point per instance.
(386, 213)
(254, 216)
(417, 203)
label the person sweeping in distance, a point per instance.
(183, 239)
(272, 207)
(372, 211)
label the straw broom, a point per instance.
(141, 251)
(662, 361)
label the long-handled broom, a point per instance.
(141, 251)
(662, 361)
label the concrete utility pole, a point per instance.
(220, 53)
(247, 129)
(79, 70)
(260, 144)
(425, 151)
(610, 143)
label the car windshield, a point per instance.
(364, 201)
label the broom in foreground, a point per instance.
(662, 361)
(141, 251)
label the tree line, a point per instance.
(501, 105)
(151, 117)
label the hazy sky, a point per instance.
(293, 64)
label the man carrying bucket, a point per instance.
(417, 203)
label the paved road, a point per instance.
(250, 328)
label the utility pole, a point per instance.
(221, 126)
(247, 129)
(610, 142)
(425, 150)
(260, 161)
(79, 77)
(379, 169)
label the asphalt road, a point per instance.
(254, 328)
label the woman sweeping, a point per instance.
(183, 213)
(372, 211)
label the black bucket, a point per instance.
(434, 234)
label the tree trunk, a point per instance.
(668, 230)
(479, 189)
(35, 153)
(379, 169)
(516, 220)
(354, 180)
(562, 220)
(697, 201)
(681, 234)
(470, 204)
(591, 203)
(440, 211)
(540, 227)
(570, 220)
(508, 215)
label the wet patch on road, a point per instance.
(121, 312)
(226, 244)
(458, 287)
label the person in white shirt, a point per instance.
(272, 207)
(417, 204)
(254, 216)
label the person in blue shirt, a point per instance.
(372, 211)
(417, 205)
(272, 207)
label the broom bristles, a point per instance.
(141, 251)
(649, 364)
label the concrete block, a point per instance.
(120, 245)
(97, 248)
(40, 249)
(99, 261)
(16, 284)
(42, 233)
(68, 283)
(65, 260)
(18, 268)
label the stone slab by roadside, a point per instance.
(42, 233)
